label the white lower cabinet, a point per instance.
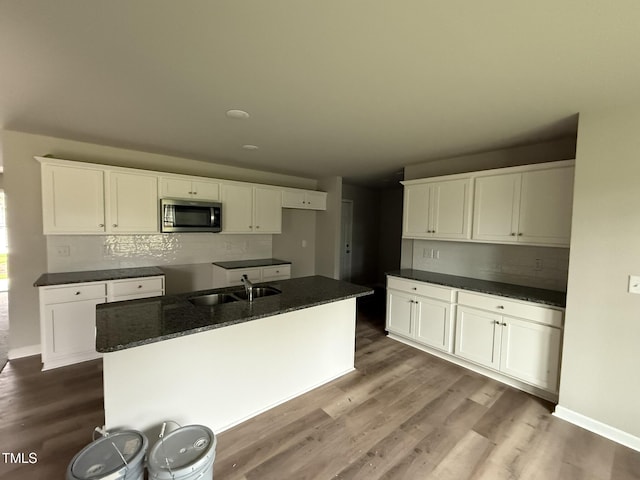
(519, 341)
(424, 319)
(68, 316)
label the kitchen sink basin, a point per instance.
(258, 292)
(213, 299)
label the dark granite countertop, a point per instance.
(49, 279)
(258, 262)
(122, 325)
(517, 292)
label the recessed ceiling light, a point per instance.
(250, 147)
(237, 114)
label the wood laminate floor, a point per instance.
(403, 414)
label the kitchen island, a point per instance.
(166, 358)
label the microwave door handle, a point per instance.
(213, 216)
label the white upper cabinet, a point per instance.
(133, 203)
(79, 200)
(437, 209)
(189, 188)
(251, 209)
(530, 207)
(72, 200)
(304, 199)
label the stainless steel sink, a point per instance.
(213, 299)
(258, 292)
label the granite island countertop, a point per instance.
(530, 294)
(258, 262)
(63, 278)
(122, 325)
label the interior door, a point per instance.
(346, 240)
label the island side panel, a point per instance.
(224, 376)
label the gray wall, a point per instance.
(389, 232)
(600, 360)
(298, 226)
(562, 149)
(28, 247)
(328, 229)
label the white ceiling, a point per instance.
(357, 88)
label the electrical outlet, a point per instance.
(63, 250)
(539, 265)
(634, 283)
(304, 244)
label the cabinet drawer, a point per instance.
(136, 286)
(278, 271)
(502, 306)
(420, 288)
(73, 293)
(234, 277)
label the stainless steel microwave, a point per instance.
(187, 216)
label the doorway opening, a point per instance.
(346, 234)
(4, 287)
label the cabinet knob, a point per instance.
(257, 226)
(512, 234)
(101, 225)
(519, 234)
(415, 288)
(77, 293)
(500, 307)
(504, 324)
(115, 225)
(139, 286)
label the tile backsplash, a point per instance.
(67, 253)
(541, 267)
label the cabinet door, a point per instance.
(316, 200)
(433, 323)
(73, 200)
(176, 188)
(237, 208)
(203, 190)
(399, 308)
(71, 332)
(294, 199)
(267, 204)
(450, 209)
(416, 211)
(530, 352)
(133, 203)
(478, 336)
(496, 207)
(545, 206)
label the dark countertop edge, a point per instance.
(258, 262)
(215, 326)
(354, 291)
(85, 276)
(552, 298)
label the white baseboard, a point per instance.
(602, 429)
(21, 352)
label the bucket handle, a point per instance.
(161, 437)
(126, 465)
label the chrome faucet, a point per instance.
(248, 287)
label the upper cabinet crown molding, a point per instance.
(529, 205)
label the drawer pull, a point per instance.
(415, 288)
(500, 307)
(139, 286)
(77, 293)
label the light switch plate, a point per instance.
(634, 283)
